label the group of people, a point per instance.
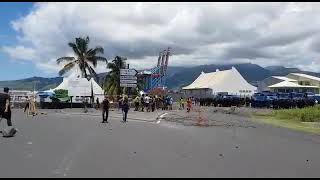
(151, 103)
(145, 101)
(123, 105)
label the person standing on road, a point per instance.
(170, 102)
(181, 104)
(147, 103)
(136, 103)
(105, 109)
(164, 101)
(125, 109)
(142, 102)
(5, 107)
(33, 108)
(153, 103)
(189, 104)
(27, 106)
(84, 102)
(120, 102)
(98, 103)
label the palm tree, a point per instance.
(112, 81)
(84, 57)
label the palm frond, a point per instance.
(92, 71)
(75, 49)
(66, 68)
(82, 45)
(112, 66)
(99, 49)
(95, 59)
(100, 58)
(59, 60)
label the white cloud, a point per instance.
(20, 52)
(199, 33)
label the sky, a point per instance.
(34, 35)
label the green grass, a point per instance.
(306, 119)
(309, 114)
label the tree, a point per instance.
(112, 80)
(84, 58)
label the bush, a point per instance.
(309, 114)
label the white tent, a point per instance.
(229, 81)
(78, 86)
(287, 84)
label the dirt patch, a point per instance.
(213, 116)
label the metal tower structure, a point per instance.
(156, 77)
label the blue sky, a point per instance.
(13, 69)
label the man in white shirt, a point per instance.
(147, 102)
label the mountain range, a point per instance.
(177, 77)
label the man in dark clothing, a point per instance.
(125, 109)
(142, 103)
(98, 103)
(120, 102)
(153, 104)
(5, 109)
(27, 104)
(105, 109)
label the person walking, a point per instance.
(136, 103)
(120, 98)
(125, 108)
(170, 102)
(84, 102)
(153, 104)
(147, 103)
(164, 103)
(27, 106)
(180, 103)
(105, 109)
(5, 107)
(167, 103)
(33, 108)
(189, 104)
(142, 103)
(98, 103)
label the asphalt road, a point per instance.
(61, 145)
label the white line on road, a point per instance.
(161, 116)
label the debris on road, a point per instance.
(207, 117)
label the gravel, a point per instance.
(214, 116)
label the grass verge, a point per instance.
(306, 119)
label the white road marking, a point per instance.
(161, 116)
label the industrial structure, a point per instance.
(156, 77)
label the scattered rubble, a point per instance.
(211, 116)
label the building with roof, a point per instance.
(79, 88)
(227, 82)
(293, 82)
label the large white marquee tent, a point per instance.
(80, 87)
(227, 81)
